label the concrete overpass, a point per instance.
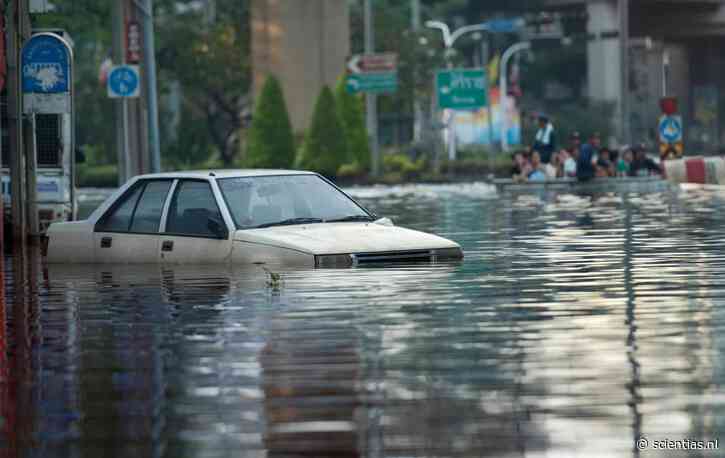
(304, 43)
(675, 47)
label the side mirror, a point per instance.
(384, 222)
(217, 228)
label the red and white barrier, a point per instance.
(702, 170)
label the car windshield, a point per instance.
(287, 199)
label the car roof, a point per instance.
(225, 173)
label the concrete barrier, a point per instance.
(702, 170)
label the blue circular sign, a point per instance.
(123, 81)
(670, 129)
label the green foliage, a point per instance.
(352, 170)
(97, 176)
(402, 165)
(191, 147)
(271, 142)
(324, 149)
(350, 109)
(88, 24)
(209, 58)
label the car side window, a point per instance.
(147, 217)
(119, 219)
(191, 207)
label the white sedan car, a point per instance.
(242, 217)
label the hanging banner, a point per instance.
(472, 127)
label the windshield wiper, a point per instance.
(290, 222)
(345, 219)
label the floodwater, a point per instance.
(575, 326)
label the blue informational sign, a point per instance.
(45, 63)
(123, 81)
(505, 25)
(670, 128)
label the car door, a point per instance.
(187, 237)
(129, 231)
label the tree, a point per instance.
(349, 107)
(208, 55)
(271, 142)
(324, 149)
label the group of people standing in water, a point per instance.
(582, 161)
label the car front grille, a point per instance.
(393, 257)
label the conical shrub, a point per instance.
(324, 149)
(271, 143)
(350, 108)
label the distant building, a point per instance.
(305, 44)
(680, 42)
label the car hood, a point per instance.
(342, 238)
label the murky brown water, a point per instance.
(575, 325)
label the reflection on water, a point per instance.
(576, 324)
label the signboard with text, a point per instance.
(46, 79)
(133, 42)
(462, 89)
(373, 73)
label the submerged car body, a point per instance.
(242, 217)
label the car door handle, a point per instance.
(106, 242)
(167, 245)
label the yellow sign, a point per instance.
(667, 149)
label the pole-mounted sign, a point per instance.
(47, 79)
(124, 81)
(373, 73)
(462, 88)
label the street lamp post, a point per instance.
(503, 83)
(449, 39)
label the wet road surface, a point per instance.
(575, 326)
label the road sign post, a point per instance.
(372, 74)
(460, 89)
(669, 128)
(47, 82)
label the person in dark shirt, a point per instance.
(604, 166)
(643, 166)
(520, 168)
(586, 160)
(545, 140)
(575, 143)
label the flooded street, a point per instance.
(575, 326)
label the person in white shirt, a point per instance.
(568, 164)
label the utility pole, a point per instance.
(149, 60)
(121, 107)
(371, 100)
(623, 11)
(18, 29)
(138, 141)
(417, 107)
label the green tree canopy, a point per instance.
(350, 109)
(324, 149)
(271, 142)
